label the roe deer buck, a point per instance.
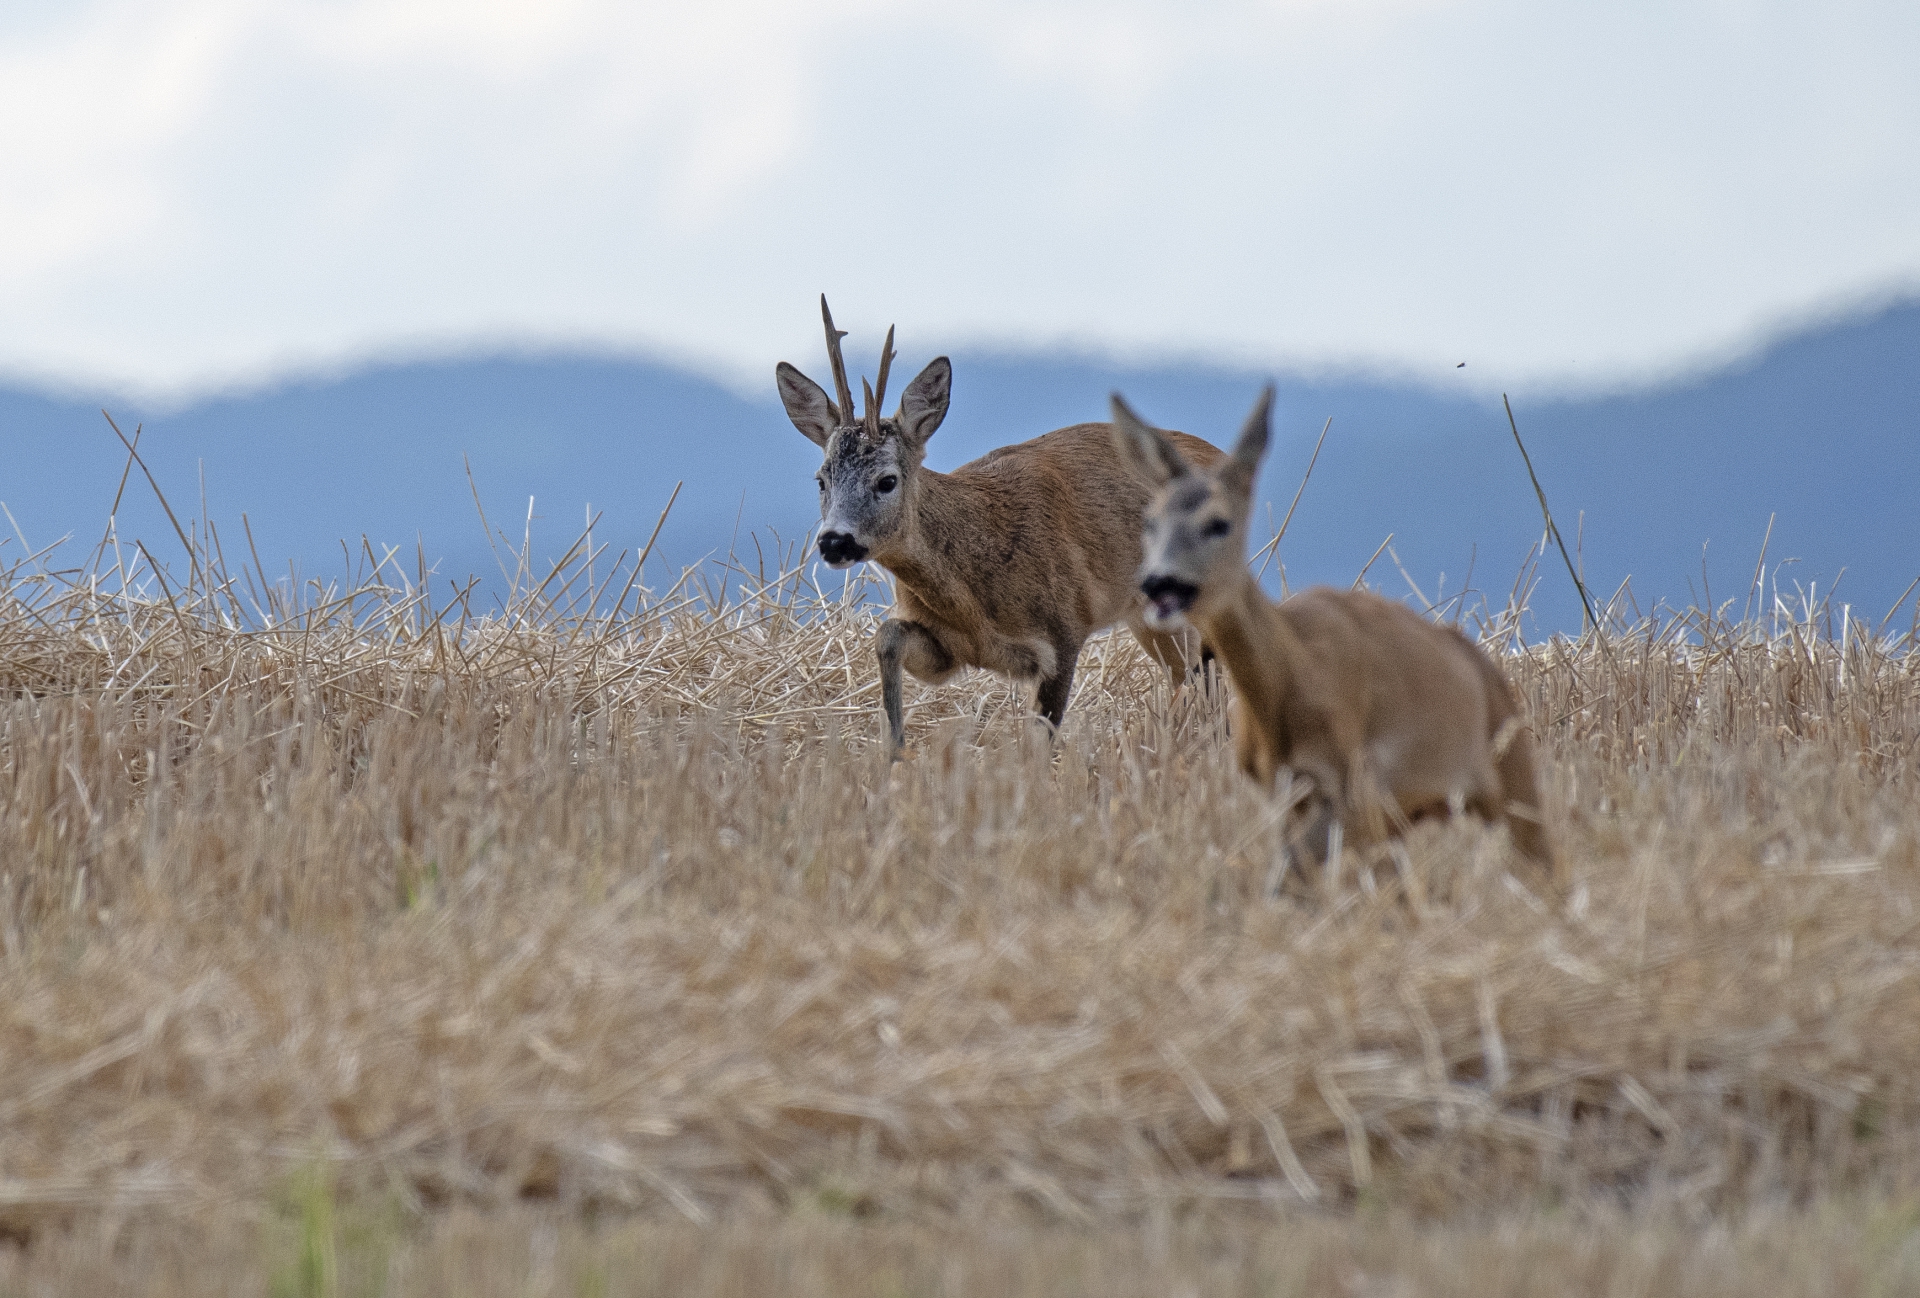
(1387, 715)
(1007, 563)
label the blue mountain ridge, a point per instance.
(1820, 429)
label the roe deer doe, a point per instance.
(1388, 716)
(1007, 563)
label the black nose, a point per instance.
(1169, 597)
(1158, 587)
(840, 547)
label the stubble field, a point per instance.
(362, 943)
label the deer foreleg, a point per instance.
(910, 646)
(1314, 830)
(1326, 803)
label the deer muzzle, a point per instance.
(1168, 599)
(841, 550)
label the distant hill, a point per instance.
(1821, 428)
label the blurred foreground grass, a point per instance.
(1844, 1249)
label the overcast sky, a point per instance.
(194, 191)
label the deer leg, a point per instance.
(1051, 699)
(1520, 804)
(1323, 806)
(911, 646)
(1314, 831)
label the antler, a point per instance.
(839, 363)
(877, 395)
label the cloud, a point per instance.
(710, 94)
(104, 112)
(201, 187)
(88, 109)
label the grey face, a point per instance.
(1193, 541)
(1192, 537)
(867, 475)
(863, 486)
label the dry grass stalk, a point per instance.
(629, 910)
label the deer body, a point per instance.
(1390, 717)
(1009, 563)
(1386, 715)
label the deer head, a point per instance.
(867, 479)
(1195, 545)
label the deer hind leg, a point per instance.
(1050, 700)
(910, 646)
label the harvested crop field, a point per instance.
(359, 942)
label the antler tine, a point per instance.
(880, 384)
(840, 385)
(872, 418)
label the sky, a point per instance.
(202, 192)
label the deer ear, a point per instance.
(923, 405)
(1238, 470)
(1144, 448)
(807, 404)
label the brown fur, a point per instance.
(1389, 717)
(1014, 559)
(1009, 562)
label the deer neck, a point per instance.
(920, 553)
(1248, 634)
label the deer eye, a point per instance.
(886, 484)
(1216, 527)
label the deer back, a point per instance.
(1374, 679)
(1039, 539)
